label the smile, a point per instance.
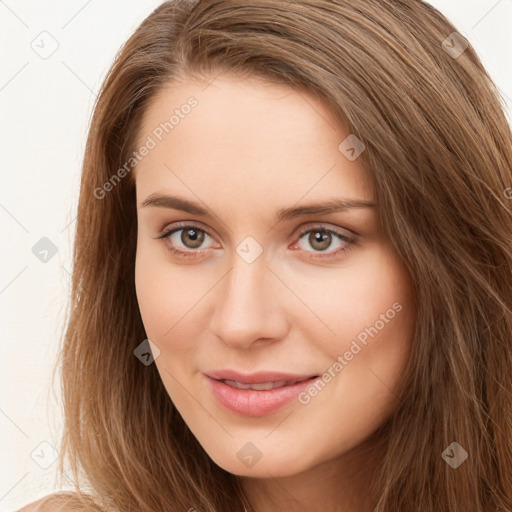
(256, 394)
(263, 386)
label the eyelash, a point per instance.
(196, 253)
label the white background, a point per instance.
(45, 107)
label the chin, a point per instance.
(262, 459)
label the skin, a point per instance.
(246, 150)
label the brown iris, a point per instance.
(322, 238)
(195, 237)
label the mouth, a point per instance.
(261, 377)
(263, 386)
(256, 394)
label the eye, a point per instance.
(189, 236)
(321, 238)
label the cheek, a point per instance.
(373, 320)
(169, 299)
(378, 334)
(154, 296)
(375, 335)
(166, 298)
(158, 292)
(366, 299)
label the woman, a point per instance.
(293, 267)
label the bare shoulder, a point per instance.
(65, 501)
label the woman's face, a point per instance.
(269, 286)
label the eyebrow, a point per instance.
(329, 206)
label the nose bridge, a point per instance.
(247, 304)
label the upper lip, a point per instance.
(258, 377)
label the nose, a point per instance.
(250, 305)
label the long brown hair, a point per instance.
(439, 149)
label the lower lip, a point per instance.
(251, 402)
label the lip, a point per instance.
(251, 402)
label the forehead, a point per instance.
(245, 140)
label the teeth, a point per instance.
(263, 386)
